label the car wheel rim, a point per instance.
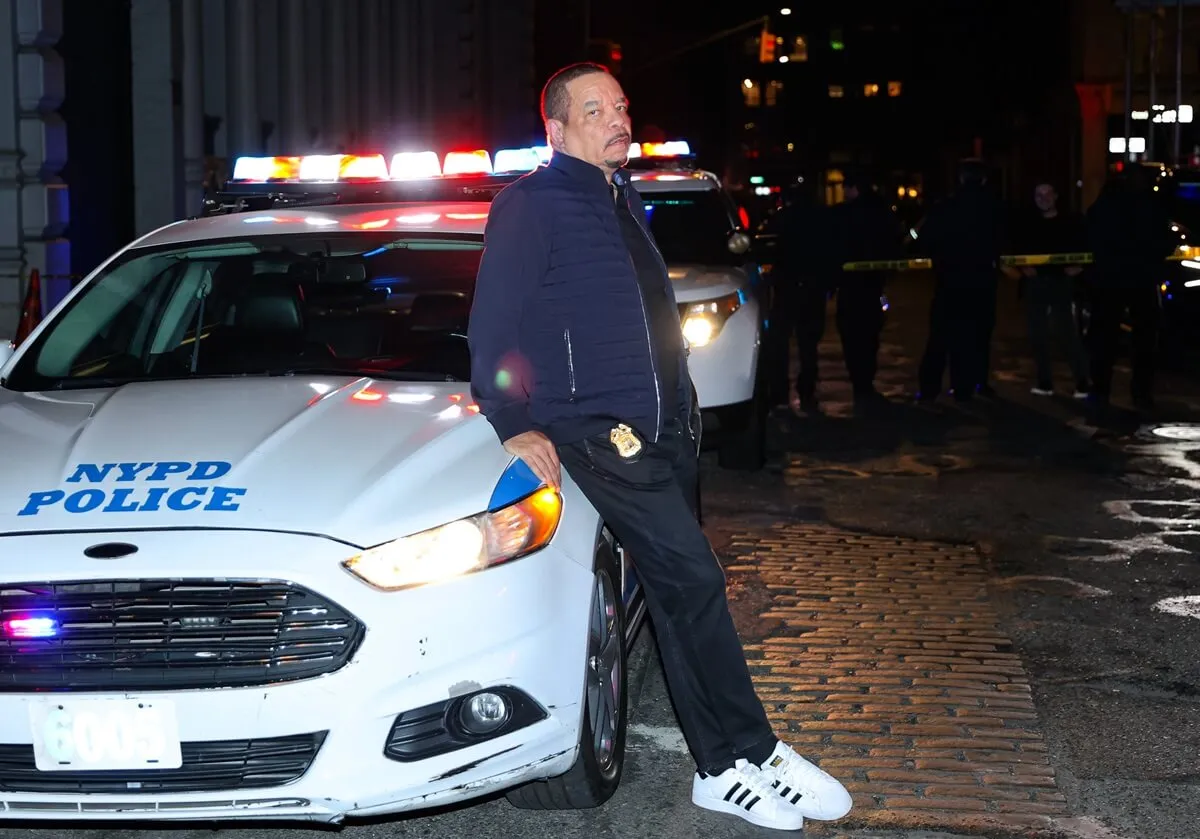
(604, 674)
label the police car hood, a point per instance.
(360, 460)
(694, 282)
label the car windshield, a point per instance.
(691, 226)
(378, 304)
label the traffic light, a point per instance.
(766, 47)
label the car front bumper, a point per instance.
(521, 625)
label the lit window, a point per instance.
(799, 49)
(894, 88)
(752, 93)
(870, 89)
(836, 91)
(773, 89)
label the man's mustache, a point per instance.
(620, 138)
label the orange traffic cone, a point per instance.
(31, 308)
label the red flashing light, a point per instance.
(367, 395)
(30, 627)
(744, 217)
(478, 162)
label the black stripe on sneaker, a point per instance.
(797, 797)
(742, 797)
(733, 790)
(750, 804)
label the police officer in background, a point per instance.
(865, 229)
(964, 236)
(801, 280)
(1130, 237)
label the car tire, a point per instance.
(745, 449)
(600, 758)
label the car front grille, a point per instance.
(207, 767)
(120, 635)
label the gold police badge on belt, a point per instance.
(625, 440)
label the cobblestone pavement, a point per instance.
(884, 657)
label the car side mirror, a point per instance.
(7, 350)
(739, 243)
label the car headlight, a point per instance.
(461, 547)
(702, 322)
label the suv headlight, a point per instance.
(461, 547)
(702, 322)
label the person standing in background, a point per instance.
(801, 280)
(1130, 236)
(865, 229)
(964, 236)
(1049, 291)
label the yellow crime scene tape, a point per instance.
(1016, 261)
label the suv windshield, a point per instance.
(691, 226)
(377, 304)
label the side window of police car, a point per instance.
(109, 323)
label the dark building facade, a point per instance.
(903, 91)
(1143, 110)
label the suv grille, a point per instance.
(207, 767)
(169, 635)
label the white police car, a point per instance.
(263, 558)
(704, 239)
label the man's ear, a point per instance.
(554, 133)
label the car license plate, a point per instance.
(104, 734)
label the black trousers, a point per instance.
(961, 320)
(859, 323)
(649, 506)
(797, 308)
(1050, 310)
(1109, 306)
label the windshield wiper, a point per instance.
(367, 373)
(90, 382)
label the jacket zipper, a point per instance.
(650, 351)
(646, 318)
(570, 361)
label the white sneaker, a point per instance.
(745, 791)
(815, 793)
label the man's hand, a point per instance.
(539, 454)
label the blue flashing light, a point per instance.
(516, 483)
(30, 626)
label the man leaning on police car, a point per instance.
(578, 362)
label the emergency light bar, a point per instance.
(671, 148)
(414, 165)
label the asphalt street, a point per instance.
(983, 617)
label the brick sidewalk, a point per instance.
(882, 659)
